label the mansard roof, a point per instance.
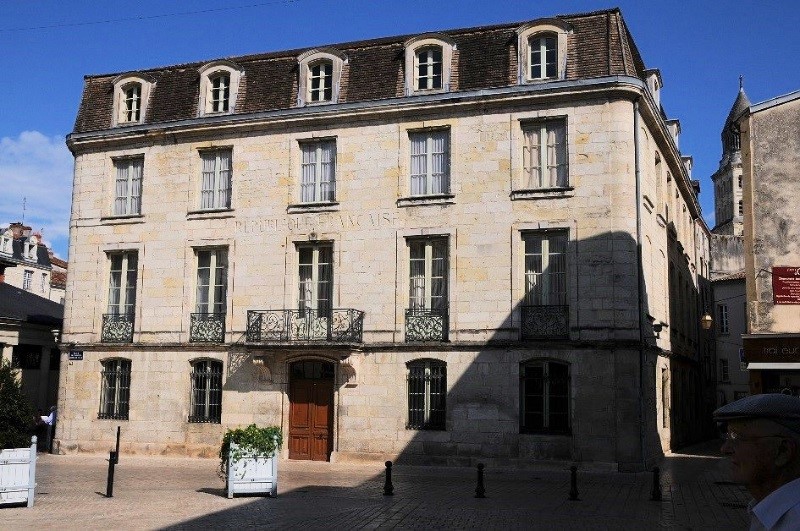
(486, 57)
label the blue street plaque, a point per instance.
(75, 355)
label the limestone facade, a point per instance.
(635, 257)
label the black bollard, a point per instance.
(113, 459)
(655, 495)
(573, 487)
(388, 488)
(480, 491)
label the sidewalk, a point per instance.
(181, 493)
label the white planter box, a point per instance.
(252, 475)
(18, 474)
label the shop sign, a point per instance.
(786, 285)
(778, 349)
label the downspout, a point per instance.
(639, 276)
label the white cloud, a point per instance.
(37, 168)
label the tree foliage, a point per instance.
(16, 412)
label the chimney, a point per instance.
(19, 230)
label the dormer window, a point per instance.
(320, 72)
(428, 68)
(542, 50)
(6, 240)
(428, 63)
(131, 93)
(321, 81)
(219, 87)
(30, 247)
(220, 93)
(133, 103)
(543, 57)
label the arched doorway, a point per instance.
(311, 410)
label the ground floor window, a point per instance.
(427, 388)
(544, 397)
(206, 399)
(116, 389)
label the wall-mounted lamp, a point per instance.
(706, 321)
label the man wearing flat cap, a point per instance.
(762, 443)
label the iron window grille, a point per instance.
(427, 391)
(116, 389)
(206, 398)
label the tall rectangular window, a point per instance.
(543, 57)
(43, 282)
(724, 370)
(206, 399)
(545, 394)
(27, 280)
(315, 280)
(122, 283)
(430, 162)
(216, 186)
(212, 281)
(427, 389)
(428, 274)
(722, 315)
(133, 103)
(318, 177)
(429, 68)
(545, 268)
(220, 93)
(128, 186)
(320, 86)
(545, 154)
(115, 389)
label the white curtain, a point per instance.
(207, 192)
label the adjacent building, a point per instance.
(480, 243)
(770, 142)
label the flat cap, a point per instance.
(779, 408)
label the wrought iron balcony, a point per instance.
(426, 325)
(339, 325)
(117, 328)
(207, 328)
(544, 322)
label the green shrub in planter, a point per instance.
(251, 441)
(16, 413)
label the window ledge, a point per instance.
(546, 433)
(120, 220)
(542, 193)
(322, 206)
(218, 213)
(422, 200)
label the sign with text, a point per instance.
(786, 285)
(775, 349)
(75, 355)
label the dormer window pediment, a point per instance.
(428, 63)
(131, 96)
(542, 51)
(219, 87)
(320, 76)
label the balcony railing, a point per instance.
(117, 328)
(207, 328)
(339, 325)
(426, 325)
(545, 322)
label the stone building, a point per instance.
(478, 243)
(770, 138)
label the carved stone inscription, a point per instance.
(325, 221)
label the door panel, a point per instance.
(311, 412)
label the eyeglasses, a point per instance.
(734, 437)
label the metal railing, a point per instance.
(426, 325)
(207, 328)
(117, 328)
(544, 322)
(338, 325)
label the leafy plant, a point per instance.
(16, 412)
(251, 441)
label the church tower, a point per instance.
(728, 207)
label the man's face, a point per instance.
(751, 447)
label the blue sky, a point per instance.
(701, 47)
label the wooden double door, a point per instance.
(311, 410)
